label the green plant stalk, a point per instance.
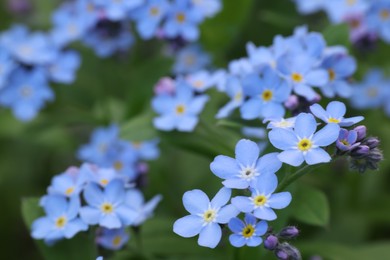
(295, 176)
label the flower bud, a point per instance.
(372, 142)
(289, 232)
(360, 152)
(287, 251)
(271, 242)
(165, 85)
(375, 155)
(292, 102)
(361, 132)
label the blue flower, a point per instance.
(247, 233)
(347, 140)
(61, 220)
(107, 208)
(263, 199)
(243, 171)
(26, 93)
(200, 80)
(300, 71)
(334, 114)
(63, 70)
(309, 6)
(7, 65)
(338, 10)
(233, 89)
(340, 67)
(182, 20)
(112, 239)
(180, 111)
(190, 59)
(205, 216)
(135, 200)
(302, 143)
(267, 93)
(149, 16)
(117, 10)
(378, 19)
(101, 176)
(207, 7)
(146, 150)
(70, 183)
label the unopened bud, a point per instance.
(375, 155)
(372, 142)
(271, 242)
(292, 102)
(360, 152)
(286, 249)
(165, 85)
(361, 132)
(289, 232)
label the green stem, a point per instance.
(295, 176)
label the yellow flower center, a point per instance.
(267, 95)
(344, 142)
(372, 92)
(107, 208)
(385, 14)
(26, 91)
(136, 145)
(351, 2)
(189, 60)
(117, 240)
(181, 17)
(104, 182)
(198, 84)
(154, 11)
(61, 222)
(332, 74)
(333, 120)
(296, 77)
(209, 215)
(118, 165)
(260, 200)
(180, 109)
(304, 145)
(238, 96)
(69, 190)
(248, 231)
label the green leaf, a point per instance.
(337, 35)
(310, 206)
(139, 128)
(82, 246)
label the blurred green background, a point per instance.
(349, 217)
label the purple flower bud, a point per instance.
(372, 142)
(292, 102)
(281, 255)
(20, 7)
(289, 232)
(360, 152)
(271, 242)
(361, 132)
(285, 249)
(375, 155)
(165, 85)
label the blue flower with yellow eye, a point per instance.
(205, 216)
(61, 220)
(378, 19)
(267, 93)
(179, 111)
(112, 239)
(233, 89)
(303, 143)
(247, 232)
(190, 59)
(69, 183)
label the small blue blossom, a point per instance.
(338, 10)
(247, 232)
(112, 239)
(117, 10)
(241, 67)
(207, 7)
(347, 140)
(107, 208)
(26, 93)
(233, 89)
(200, 80)
(309, 6)
(267, 93)
(190, 59)
(63, 70)
(378, 19)
(205, 216)
(334, 114)
(302, 143)
(180, 111)
(70, 183)
(243, 171)
(146, 150)
(101, 176)
(7, 65)
(61, 220)
(135, 200)
(263, 199)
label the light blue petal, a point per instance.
(351, 121)
(73, 227)
(317, 155)
(74, 207)
(254, 241)
(279, 200)
(163, 104)
(226, 110)
(305, 91)
(305, 125)
(226, 213)
(266, 184)
(134, 198)
(41, 227)
(236, 225)
(188, 226)
(115, 191)
(343, 89)
(273, 110)
(187, 123)
(90, 215)
(243, 204)
(126, 214)
(195, 201)
(251, 109)
(55, 205)
(269, 163)
(224, 167)
(283, 139)
(210, 235)
(93, 195)
(110, 221)
(247, 152)
(265, 213)
(221, 198)
(165, 123)
(237, 240)
(197, 104)
(327, 135)
(291, 157)
(317, 77)
(250, 219)
(261, 228)
(319, 112)
(190, 32)
(236, 183)
(336, 109)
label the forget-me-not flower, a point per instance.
(378, 19)
(112, 239)
(303, 143)
(263, 199)
(117, 10)
(205, 216)
(189, 59)
(347, 140)
(233, 89)
(63, 70)
(247, 232)
(135, 200)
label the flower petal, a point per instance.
(319, 112)
(90, 215)
(327, 135)
(224, 167)
(336, 109)
(254, 241)
(247, 152)
(227, 213)
(115, 191)
(266, 184)
(237, 240)
(279, 200)
(188, 226)
(283, 139)
(110, 221)
(305, 125)
(243, 204)
(210, 235)
(265, 213)
(317, 155)
(236, 225)
(221, 198)
(195, 201)
(269, 163)
(291, 157)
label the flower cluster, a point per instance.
(261, 84)
(283, 250)
(111, 202)
(372, 92)
(367, 19)
(29, 61)
(247, 171)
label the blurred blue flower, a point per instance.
(309, 6)
(61, 220)
(63, 70)
(338, 10)
(7, 65)
(146, 150)
(208, 8)
(112, 239)
(26, 93)
(183, 20)
(334, 114)
(233, 89)
(247, 232)
(205, 216)
(266, 95)
(117, 10)
(190, 59)
(302, 143)
(200, 80)
(135, 200)
(101, 176)
(378, 19)
(347, 140)
(243, 171)
(263, 199)
(70, 183)
(180, 111)
(107, 208)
